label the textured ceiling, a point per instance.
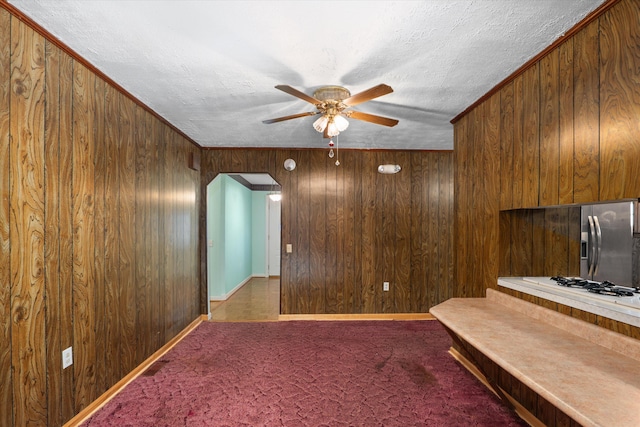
(210, 67)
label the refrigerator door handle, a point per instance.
(598, 243)
(591, 250)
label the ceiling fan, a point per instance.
(333, 103)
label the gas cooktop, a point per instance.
(603, 288)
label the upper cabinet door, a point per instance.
(620, 101)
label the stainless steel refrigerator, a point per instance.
(607, 242)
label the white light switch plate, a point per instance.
(67, 358)
(289, 248)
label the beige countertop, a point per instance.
(579, 369)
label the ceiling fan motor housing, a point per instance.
(337, 93)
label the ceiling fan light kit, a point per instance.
(321, 124)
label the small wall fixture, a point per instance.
(389, 169)
(289, 164)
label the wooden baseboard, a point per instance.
(371, 316)
(83, 415)
(522, 412)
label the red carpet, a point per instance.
(380, 373)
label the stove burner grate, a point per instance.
(611, 290)
(602, 288)
(571, 281)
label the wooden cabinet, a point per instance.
(620, 101)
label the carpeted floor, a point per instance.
(379, 373)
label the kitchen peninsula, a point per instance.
(522, 349)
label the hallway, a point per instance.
(257, 301)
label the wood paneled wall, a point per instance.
(564, 131)
(540, 242)
(98, 231)
(352, 228)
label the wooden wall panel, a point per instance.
(182, 224)
(380, 269)
(549, 128)
(342, 302)
(490, 192)
(84, 289)
(358, 258)
(401, 284)
(99, 209)
(153, 137)
(346, 235)
(507, 145)
(52, 228)
(556, 241)
(287, 269)
(586, 112)
(352, 228)
(331, 238)
(66, 231)
(386, 260)
(111, 241)
(419, 207)
(69, 251)
(126, 229)
(429, 239)
(535, 242)
(317, 231)
(302, 260)
(565, 125)
(620, 101)
(474, 230)
(521, 240)
(531, 136)
(142, 231)
(166, 297)
(169, 234)
(462, 150)
(27, 226)
(504, 268)
(6, 391)
(369, 228)
(518, 142)
(446, 249)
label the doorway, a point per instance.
(243, 246)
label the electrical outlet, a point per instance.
(385, 286)
(67, 358)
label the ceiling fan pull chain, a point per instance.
(337, 150)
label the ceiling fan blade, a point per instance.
(297, 93)
(367, 95)
(293, 116)
(379, 120)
